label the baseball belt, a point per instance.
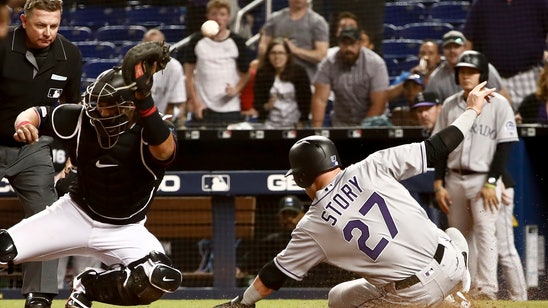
(465, 171)
(411, 280)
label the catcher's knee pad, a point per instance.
(140, 283)
(8, 252)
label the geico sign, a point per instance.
(170, 183)
(279, 182)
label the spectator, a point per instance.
(498, 29)
(358, 78)
(282, 89)
(534, 108)
(427, 106)
(429, 60)
(400, 108)
(168, 89)
(466, 182)
(305, 31)
(5, 19)
(349, 20)
(442, 79)
(247, 97)
(37, 66)
(215, 79)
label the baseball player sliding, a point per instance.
(121, 147)
(363, 220)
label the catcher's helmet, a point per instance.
(310, 157)
(109, 105)
(474, 59)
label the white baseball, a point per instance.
(210, 28)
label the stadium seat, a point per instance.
(153, 16)
(96, 16)
(173, 33)
(425, 30)
(401, 13)
(400, 48)
(119, 34)
(92, 68)
(390, 32)
(453, 12)
(77, 33)
(92, 50)
(123, 48)
(408, 63)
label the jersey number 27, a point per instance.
(372, 252)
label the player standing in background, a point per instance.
(37, 66)
(121, 147)
(467, 184)
(363, 220)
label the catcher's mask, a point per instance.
(108, 104)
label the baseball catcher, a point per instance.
(121, 147)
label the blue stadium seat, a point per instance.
(400, 48)
(92, 68)
(173, 33)
(453, 12)
(401, 13)
(425, 30)
(153, 16)
(77, 33)
(123, 48)
(118, 34)
(391, 32)
(93, 50)
(96, 16)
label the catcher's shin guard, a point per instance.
(140, 283)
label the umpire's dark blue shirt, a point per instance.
(58, 77)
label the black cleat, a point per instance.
(38, 300)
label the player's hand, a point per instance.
(27, 133)
(477, 96)
(236, 303)
(444, 199)
(490, 200)
(507, 196)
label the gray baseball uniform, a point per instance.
(363, 206)
(468, 165)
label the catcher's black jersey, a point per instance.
(114, 185)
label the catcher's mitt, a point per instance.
(138, 61)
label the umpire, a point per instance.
(37, 67)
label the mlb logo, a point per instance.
(218, 182)
(54, 93)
